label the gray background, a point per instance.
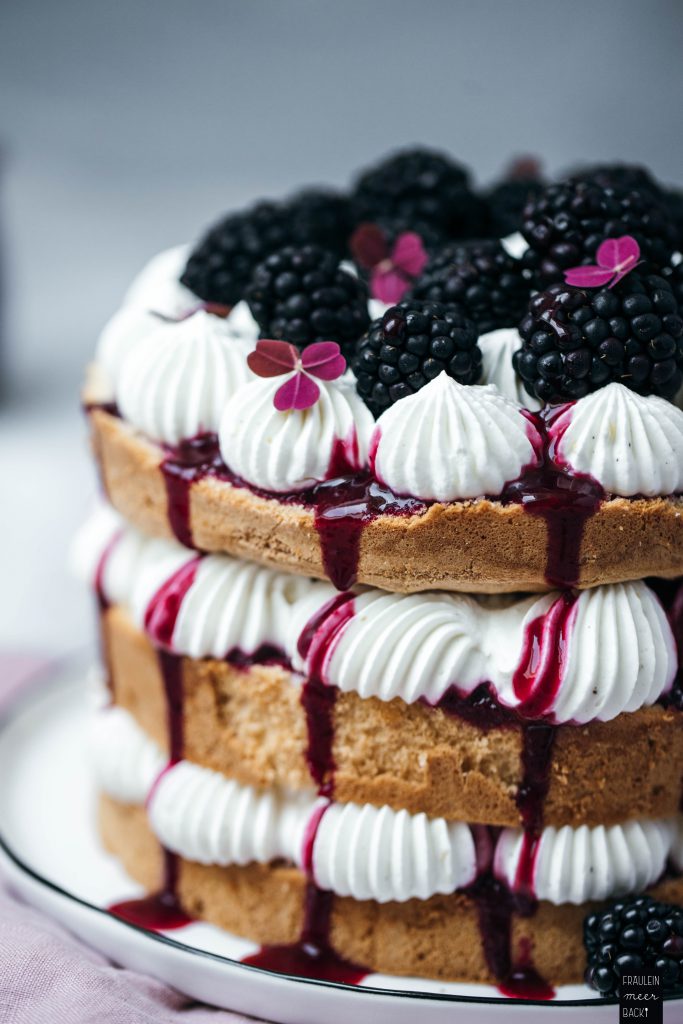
(126, 125)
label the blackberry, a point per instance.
(301, 294)
(674, 275)
(409, 346)
(505, 204)
(506, 200)
(565, 225)
(221, 264)
(420, 185)
(630, 937)
(621, 176)
(577, 340)
(320, 216)
(479, 277)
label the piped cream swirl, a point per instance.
(375, 853)
(618, 652)
(175, 383)
(575, 865)
(360, 851)
(365, 852)
(451, 441)
(409, 646)
(157, 287)
(631, 445)
(289, 451)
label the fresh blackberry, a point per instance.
(409, 346)
(577, 340)
(479, 277)
(505, 204)
(320, 217)
(301, 294)
(621, 176)
(565, 225)
(630, 937)
(674, 275)
(419, 185)
(506, 200)
(221, 264)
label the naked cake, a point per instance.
(387, 578)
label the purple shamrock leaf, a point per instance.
(388, 285)
(588, 277)
(615, 258)
(622, 254)
(324, 360)
(368, 245)
(273, 358)
(298, 392)
(618, 252)
(409, 254)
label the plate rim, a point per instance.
(62, 673)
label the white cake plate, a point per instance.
(50, 854)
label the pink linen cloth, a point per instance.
(48, 976)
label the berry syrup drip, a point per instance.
(536, 684)
(315, 645)
(162, 611)
(265, 654)
(310, 834)
(342, 505)
(312, 956)
(161, 911)
(481, 709)
(160, 621)
(342, 510)
(563, 498)
(496, 906)
(111, 408)
(524, 981)
(538, 677)
(191, 460)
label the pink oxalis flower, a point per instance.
(271, 358)
(392, 270)
(614, 259)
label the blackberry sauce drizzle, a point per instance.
(347, 502)
(536, 684)
(562, 497)
(161, 910)
(315, 645)
(313, 956)
(540, 674)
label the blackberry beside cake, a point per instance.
(388, 579)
